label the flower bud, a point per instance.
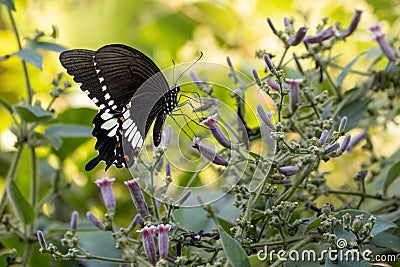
(321, 36)
(345, 143)
(216, 131)
(168, 169)
(331, 148)
(197, 81)
(210, 103)
(105, 185)
(209, 153)
(298, 37)
(353, 24)
(342, 124)
(148, 243)
(74, 220)
(324, 136)
(256, 77)
(271, 25)
(162, 231)
(272, 83)
(294, 93)
(93, 219)
(136, 220)
(184, 197)
(228, 60)
(357, 225)
(356, 139)
(137, 197)
(268, 62)
(288, 170)
(265, 116)
(41, 239)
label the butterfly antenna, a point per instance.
(190, 138)
(173, 70)
(189, 67)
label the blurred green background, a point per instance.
(165, 30)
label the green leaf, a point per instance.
(354, 112)
(234, 252)
(387, 240)
(8, 3)
(393, 174)
(346, 70)
(5, 105)
(68, 130)
(48, 46)
(31, 56)
(32, 113)
(24, 211)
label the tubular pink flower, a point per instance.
(289, 170)
(209, 153)
(105, 185)
(216, 131)
(137, 197)
(379, 36)
(148, 243)
(74, 220)
(162, 231)
(298, 37)
(294, 92)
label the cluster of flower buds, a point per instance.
(148, 241)
(379, 36)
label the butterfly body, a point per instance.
(130, 91)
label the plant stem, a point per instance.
(11, 174)
(24, 67)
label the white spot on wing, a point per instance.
(103, 106)
(111, 102)
(136, 139)
(95, 100)
(101, 79)
(114, 107)
(112, 132)
(107, 96)
(109, 124)
(106, 116)
(104, 87)
(131, 135)
(140, 143)
(127, 113)
(127, 123)
(97, 71)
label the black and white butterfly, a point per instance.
(131, 93)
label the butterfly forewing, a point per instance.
(131, 93)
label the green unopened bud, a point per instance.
(357, 225)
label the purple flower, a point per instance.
(379, 36)
(228, 60)
(288, 170)
(321, 36)
(210, 103)
(41, 239)
(256, 77)
(74, 220)
(209, 153)
(216, 131)
(162, 231)
(331, 148)
(286, 182)
(342, 124)
(294, 93)
(137, 197)
(268, 62)
(93, 219)
(298, 37)
(353, 24)
(324, 136)
(286, 22)
(167, 136)
(345, 143)
(356, 139)
(197, 81)
(107, 193)
(148, 243)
